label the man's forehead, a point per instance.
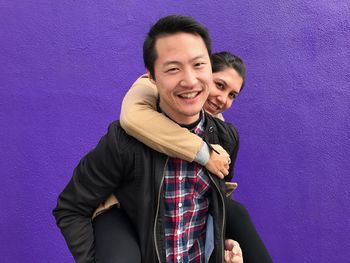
(172, 49)
(176, 38)
(177, 61)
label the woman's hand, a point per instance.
(233, 252)
(218, 164)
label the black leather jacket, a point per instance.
(134, 172)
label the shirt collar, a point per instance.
(196, 127)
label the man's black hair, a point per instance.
(170, 25)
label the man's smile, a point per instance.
(189, 95)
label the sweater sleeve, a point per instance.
(232, 149)
(95, 177)
(140, 119)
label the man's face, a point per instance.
(182, 73)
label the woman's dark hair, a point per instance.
(223, 60)
(171, 25)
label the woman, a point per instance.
(138, 110)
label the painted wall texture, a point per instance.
(66, 65)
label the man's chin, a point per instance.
(192, 110)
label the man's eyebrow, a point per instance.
(197, 57)
(166, 63)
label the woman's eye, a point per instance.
(232, 95)
(219, 85)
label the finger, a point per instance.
(235, 243)
(223, 157)
(219, 149)
(237, 251)
(220, 174)
(229, 244)
(236, 259)
(228, 256)
(227, 165)
(224, 161)
(224, 171)
(233, 252)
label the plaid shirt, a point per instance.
(186, 192)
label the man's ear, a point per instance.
(150, 77)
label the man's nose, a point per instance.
(189, 78)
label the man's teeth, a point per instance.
(189, 95)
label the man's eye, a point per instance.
(199, 64)
(172, 70)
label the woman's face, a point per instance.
(227, 85)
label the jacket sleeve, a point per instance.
(163, 135)
(95, 177)
(232, 147)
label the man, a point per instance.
(176, 207)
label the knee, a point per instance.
(117, 253)
(242, 210)
(238, 210)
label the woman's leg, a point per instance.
(240, 227)
(115, 238)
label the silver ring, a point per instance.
(229, 160)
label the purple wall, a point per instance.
(65, 66)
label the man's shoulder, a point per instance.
(116, 128)
(125, 141)
(119, 135)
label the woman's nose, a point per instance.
(222, 98)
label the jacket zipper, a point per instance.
(155, 221)
(222, 201)
(224, 214)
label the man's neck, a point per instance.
(188, 126)
(194, 124)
